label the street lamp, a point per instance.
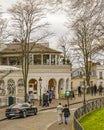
(67, 94)
(40, 82)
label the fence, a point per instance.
(88, 107)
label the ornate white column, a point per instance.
(56, 92)
(64, 85)
(55, 59)
(49, 59)
(32, 59)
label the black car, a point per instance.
(20, 110)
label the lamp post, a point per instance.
(67, 94)
(40, 82)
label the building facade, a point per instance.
(44, 62)
(78, 76)
(100, 75)
(96, 77)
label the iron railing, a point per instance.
(88, 107)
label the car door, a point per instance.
(27, 108)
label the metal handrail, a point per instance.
(90, 106)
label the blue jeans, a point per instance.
(66, 119)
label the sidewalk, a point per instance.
(75, 103)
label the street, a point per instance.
(45, 119)
(37, 122)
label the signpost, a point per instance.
(67, 94)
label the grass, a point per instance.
(93, 120)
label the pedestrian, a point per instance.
(72, 94)
(28, 98)
(50, 96)
(100, 90)
(79, 91)
(47, 99)
(66, 112)
(92, 90)
(59, 111)
(95, 89)
(32, 96)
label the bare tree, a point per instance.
(28, 26)
(64, 46)
(3, 27)
(87, 29)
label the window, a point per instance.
(12, 60)
(4, 60)
(45, 59)
(37, 59)
(53, 59)
(20, 83)
(100, 75)
(101, 83)
(25, 105)
(11, 86)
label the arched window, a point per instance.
(11, 87)
(20, 83)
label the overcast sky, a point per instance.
(57, 20)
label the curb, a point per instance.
(49, 108)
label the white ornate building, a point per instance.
(44, 62)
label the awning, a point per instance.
(5, 70)
(8, 68)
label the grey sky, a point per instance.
(56, 20)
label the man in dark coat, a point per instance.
(66, 112)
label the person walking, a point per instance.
(66, 112)
(100, 90)
(32, 96)
(92, 90)
(79, 91)
(95, 89)
(59, 111)
(28, 98)
(50, 96)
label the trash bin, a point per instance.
(11, 100)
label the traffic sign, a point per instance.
(67, 93)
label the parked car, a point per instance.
(20, 110)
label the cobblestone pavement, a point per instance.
(73, 104)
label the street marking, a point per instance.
(50, 124)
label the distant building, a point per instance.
(77, 76)
(44, 62)
(100, 75)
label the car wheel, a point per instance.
(24, 114)
(8, 117)
(35, 112)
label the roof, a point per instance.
(36, 48)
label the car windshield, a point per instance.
(16, 106)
